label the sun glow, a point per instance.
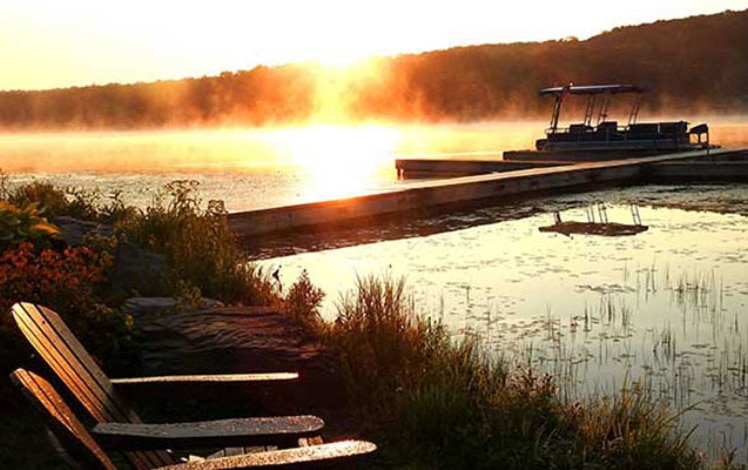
(340, 160)
(79, 42)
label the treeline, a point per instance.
(259, 96)
(694, 64)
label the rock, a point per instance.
(225, 340)
(140, 306)
(135, 269)
(72, 230)
(138, 270)
(143, 307)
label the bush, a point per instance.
(200, 247)
(54, 202)
(201, 251)
(72, 282)
(18, 225)
(50, 199)
(87, 205)
(632, 430)
(67, 279)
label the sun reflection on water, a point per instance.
(339, 161)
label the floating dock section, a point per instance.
(721, 163)
(432, 168)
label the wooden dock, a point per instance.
(715, 163)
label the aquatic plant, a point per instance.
(199, 247)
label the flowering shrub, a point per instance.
(70, 281)
(65, 279)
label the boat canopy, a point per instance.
(592, 90)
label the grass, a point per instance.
(441, 403)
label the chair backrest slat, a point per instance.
(53, 346)
(66, 427)
(80, 373)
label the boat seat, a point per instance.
(644, 129)
(676, 127)
(579, 128)
(607, 126)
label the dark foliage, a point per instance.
(694, 64)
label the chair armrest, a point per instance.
(207, 379)
(317, 456)
(283, 431)
(239, 386)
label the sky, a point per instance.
(52, 43)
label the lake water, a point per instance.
(248, 169)
(667, 308)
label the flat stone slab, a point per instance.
(226, 340)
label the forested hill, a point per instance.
(697, 64)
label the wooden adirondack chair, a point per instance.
(84, 449)
(117, 424)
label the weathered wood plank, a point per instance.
(82, 447)
(332, 455)
(444, 168)
(700, 170)
(282, 431)
(203, 386)
(67, 358)
(71, 363)
(73, 437)
(237, 387)
(200, 379)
